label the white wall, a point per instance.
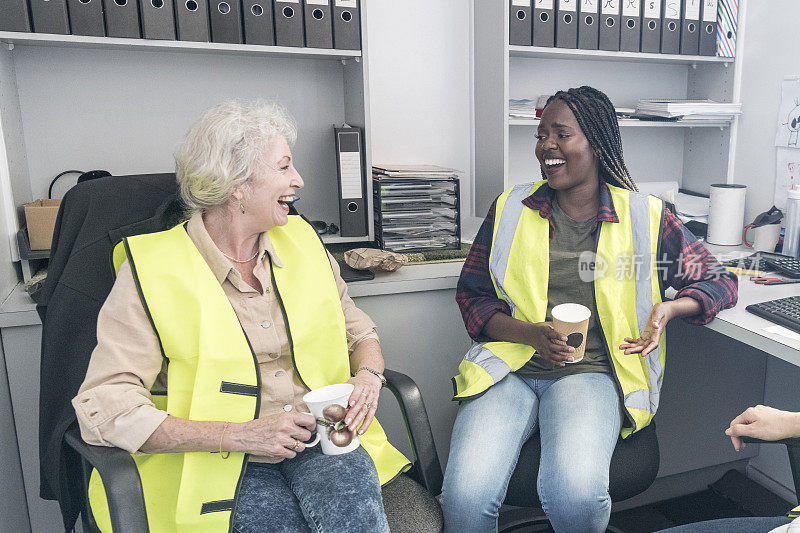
(419, 83)
(770, 53)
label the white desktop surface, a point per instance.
(743, 326)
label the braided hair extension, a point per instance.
(598, 120)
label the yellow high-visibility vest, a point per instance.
(213, 373)
(626, 286)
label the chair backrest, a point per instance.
(634, 466)
(93, 218)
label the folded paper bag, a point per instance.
(374, 259)
(40, 217)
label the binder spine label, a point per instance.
(710, 11)
(652, 9)
(589, 6)
(610, 7)
(545, 4)
(672, 9)
(692, 10)
(631, 8)
(352, 4)
(317, 2)
(521, 3)
(567, 5)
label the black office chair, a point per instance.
(793, 449)
(406, 507)
(634, 466)
(94, 216)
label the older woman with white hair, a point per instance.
(213, 332)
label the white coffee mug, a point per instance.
(765, 237)
(329, 406)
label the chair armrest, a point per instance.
(121, 480)
(793, 448)
(427, 470)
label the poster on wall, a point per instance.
(789, 114)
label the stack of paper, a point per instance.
(524, 108)
(414, 171)
(689, 110)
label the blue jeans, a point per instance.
(312, 492)
(579, 419)
(758, 524)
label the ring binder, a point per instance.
(631, 26)
(588, 25)
(191, 17)
(519, 22)
(708, 29)
(690, 27)
(158, 19)
(258, 23)
(226, 21)
(319, 29)
(50, 16)
(346, 25)
(288, 23)
(350, 171)
(567, 24)
(651, 26)
(544, 28)
(609, 25)
(15, 15)
(86, 17)
(122, 18)
(671, 27)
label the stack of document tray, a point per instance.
(416, 212)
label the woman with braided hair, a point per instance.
(583, 235)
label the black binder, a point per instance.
(86, 17)
(609, 24)
(158, 19)
(630, 28)
(588, 24)
(567, 24)
(651, 26)
(690, 27)
(191, 20)
(519, 22)
(289, 23)
(226, 21)
(50, 16)
(319, 28)
(122, 18)
(352, 187)
(258, 25)
(346, 24)
(708, 28)
(671, 27)
(15, 16)
(544, 27)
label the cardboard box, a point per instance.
(40, 216)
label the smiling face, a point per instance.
(268, 190)
(566, 157)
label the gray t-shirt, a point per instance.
(570, 239)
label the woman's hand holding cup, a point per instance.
(363, 401)
(282, 436)
(550, 344)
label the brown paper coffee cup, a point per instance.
(572, 320)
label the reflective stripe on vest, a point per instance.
(213, 373)
(626, 287)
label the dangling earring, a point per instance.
(241, 208)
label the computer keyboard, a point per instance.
(789, 267)
(785, 311)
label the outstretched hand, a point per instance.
(648, 340)
(765, 423)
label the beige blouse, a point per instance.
(114, 405)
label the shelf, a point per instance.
(603, 55)
(80, 41)
(636, 123)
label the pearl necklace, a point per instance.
(243, 261)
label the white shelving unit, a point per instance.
(695, 155)
(123, 105)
